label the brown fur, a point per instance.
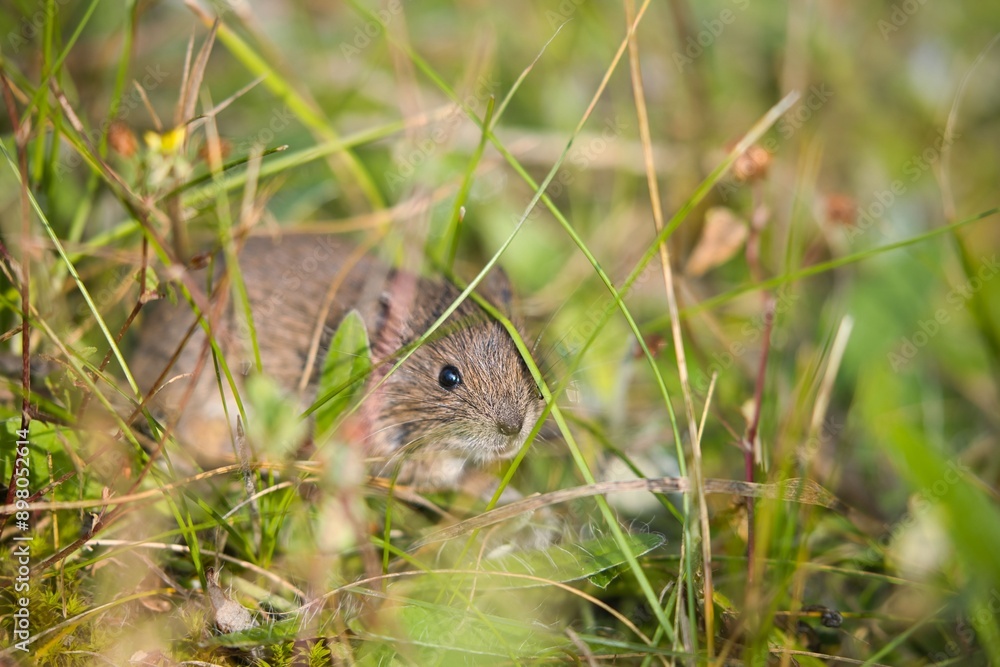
(411, 420)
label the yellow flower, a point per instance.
(168, 142)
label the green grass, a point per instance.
(547, 138)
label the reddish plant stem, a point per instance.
(758, 220)
(128, 321)
(751, 437)
(21, 142)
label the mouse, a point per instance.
(462, 399)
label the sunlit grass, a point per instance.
(554, 141)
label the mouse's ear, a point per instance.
(497, 289)
(393, 328)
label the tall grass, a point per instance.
(806, 428)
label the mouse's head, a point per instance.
(465, 391)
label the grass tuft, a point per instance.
(780, 454)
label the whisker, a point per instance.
(403, 423)
(395, 459)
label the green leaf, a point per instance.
(47, 458)
(457, 635)
(152, 281)
(598, 559)
(504, 612)
(281, 631)
(274, 425)
(345, 368)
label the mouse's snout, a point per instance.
(510, 424)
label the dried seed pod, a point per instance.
(752, 165)
(122, 139)
(841, 209)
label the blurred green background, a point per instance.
(895, 135)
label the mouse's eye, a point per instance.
(449, 378)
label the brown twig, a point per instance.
(795, 490)
(24, 284)
(107, 357)
(749, 444)
(682, 369)
(213, 319)
(135, 204)
(758, 220)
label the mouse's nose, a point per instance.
(510, 424)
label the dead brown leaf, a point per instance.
(721, 238)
